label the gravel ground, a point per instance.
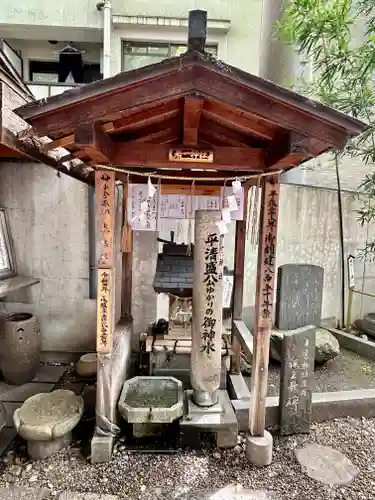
(348, 371)
(188, 474)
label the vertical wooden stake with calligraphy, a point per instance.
(238, 284)
(264, 302)
(105, 227)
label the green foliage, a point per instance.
(323, 32)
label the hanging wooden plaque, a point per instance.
(191, 155)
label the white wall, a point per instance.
(49, 223)
(42, 50)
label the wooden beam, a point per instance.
(238, 283)
(293, 151)
(10, 140)
(192, 116)
(94, 142)
(187, 189)
(63, 142)
(244, 338)
(236, 119)
(156, 156)
(264, 297)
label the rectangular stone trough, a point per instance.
(156, 400)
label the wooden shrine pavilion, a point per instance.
(189, 119)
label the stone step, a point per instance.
(71, 495)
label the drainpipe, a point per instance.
(107, 35)
(106, 7)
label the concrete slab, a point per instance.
(70, 495)
(237, 387)
(364, 348)
(6, 437)
(10, 408)
(19, 394)
(325, 406)
(50, 374)
(326, 464)
(219, 419)
(23, 493)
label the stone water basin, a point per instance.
(156, 400)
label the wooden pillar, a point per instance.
(239, 267)
(105, 251)
(264, 302)
(127, 258)
(207, 307)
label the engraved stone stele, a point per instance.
(207, 308)
(299, 296)
(297, 368)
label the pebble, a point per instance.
(28, 467)
(15, 470)
(238, 449)
(33, 478)
(190, 474)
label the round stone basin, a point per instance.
(151, 400)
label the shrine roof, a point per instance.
(133, 119)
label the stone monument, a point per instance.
(207, 308)
(297, 368)
(299, 296)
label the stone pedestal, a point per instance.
(46, 421)
(207, 308)
(219, 419)
(259, 449)
(39, 450)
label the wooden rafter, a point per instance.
(92, 139)
(134, 99)
(293, 151)
(218, 87)
(226, 116)
(223, 134)
(157, 114)
(192, 115)
(155, 132)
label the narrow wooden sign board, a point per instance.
(105, 220)
(104, 311)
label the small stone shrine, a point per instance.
(299, 296)
(194, 139)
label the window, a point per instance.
(138, 54)
(48, 72)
